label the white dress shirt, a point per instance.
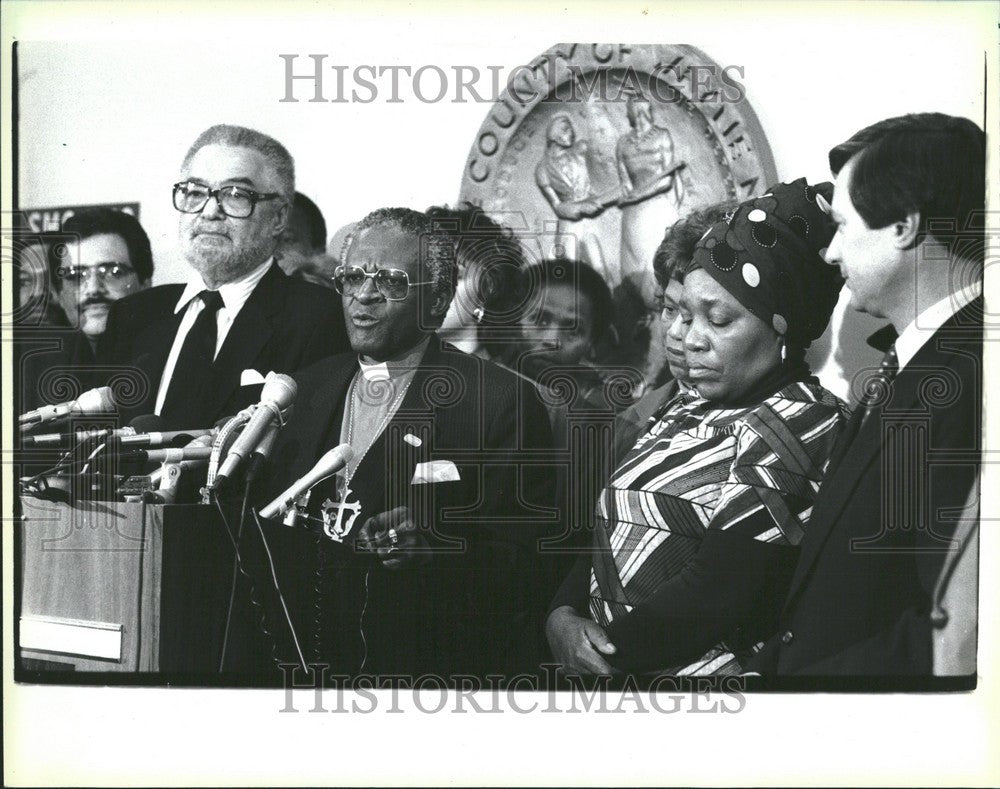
(919, 331)
(234, 296)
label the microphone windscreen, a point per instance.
(147, 423)
(200, 441)
(279, 389)
(333, 461)
(96, 401)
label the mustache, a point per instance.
(96, 301)
(209, 227)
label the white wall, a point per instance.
(108, 118)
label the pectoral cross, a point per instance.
(334, 525)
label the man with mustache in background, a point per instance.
(204, 347)
(101, 256)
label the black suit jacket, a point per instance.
(285, 325)
(473, 608)
(54, 363)
(881, 528)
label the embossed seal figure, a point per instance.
(563, 177)
(651, 191)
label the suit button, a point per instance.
(787, 637)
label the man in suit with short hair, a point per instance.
(101, 255)
(424, 554)
(908, 202)
(202, 348)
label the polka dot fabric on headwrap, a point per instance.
(769, 256)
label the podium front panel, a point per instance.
(90, 585)
(114, 587)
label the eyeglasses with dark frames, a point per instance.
(237, 202)
(392, 283)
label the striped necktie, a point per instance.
(876, 393)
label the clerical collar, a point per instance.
(394, 367)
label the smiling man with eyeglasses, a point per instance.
(425, 557)
(195, 343)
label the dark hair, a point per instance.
(677, 247)
(491, 256)
(929, 163)
(242, 137)
(585, 280)
(89, 222)
(312, 217)
(437, 253)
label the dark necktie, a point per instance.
(877, 390)
(878, 387)
(194, 363)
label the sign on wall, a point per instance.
(45, 220)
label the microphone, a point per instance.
(125, 436)
(263, 450)
(147, 432)
(93, 401)
(278, 393)
(328, 465)
(167, 476)
(169, 455)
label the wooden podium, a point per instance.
(111, 587)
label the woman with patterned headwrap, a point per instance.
(697, 528)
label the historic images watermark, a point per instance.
(317, 690)
(311, 78)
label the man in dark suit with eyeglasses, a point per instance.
(101, 255)
(200, 350)
(421, 555)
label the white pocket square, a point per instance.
(435, 471)
(251, 378)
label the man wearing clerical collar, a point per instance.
(421, 556)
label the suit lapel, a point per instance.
(155, 340)
(855, 458)
(246, 339)
(852, 460)
(319, 425)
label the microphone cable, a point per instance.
(232, 584)
(252, 591)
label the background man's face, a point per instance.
(221, 248)
(294, 248)
(377, 328)
(560, 327)
(295, 239)
(86, 301)
(873, 270)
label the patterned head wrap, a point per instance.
(769, 256)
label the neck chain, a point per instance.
(348, 472)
